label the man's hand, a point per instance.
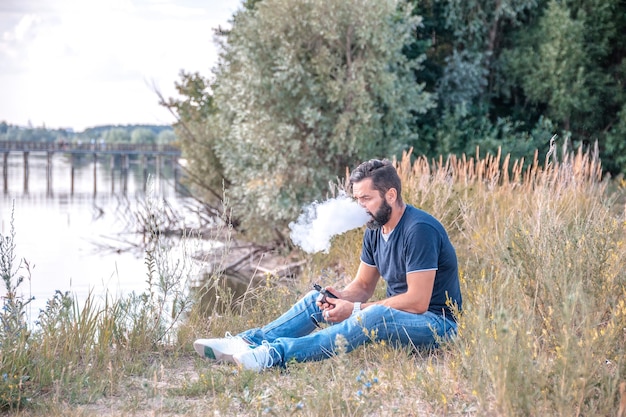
(338, 310)
(322, 302)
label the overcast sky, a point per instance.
(82, 63)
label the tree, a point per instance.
(556, 68)
(463, 42)
(166, 137)
(616, 143)
(194, 112)
(505, 70)
(142, 135)
(478, 27)
(115, 135)
(304, 90)
(568, 64)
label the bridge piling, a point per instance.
(5, 171)
(125, 168)
(49, 173)
(124, 150)
(72, 174)
(144, 164)
(158, 162)
(175, 173)
(112, 167)
(26, 171)
(95, 171)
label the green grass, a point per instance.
(543, 331)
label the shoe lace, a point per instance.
(238, 338)
(269, 360)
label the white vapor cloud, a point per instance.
(320, 222)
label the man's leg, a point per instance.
(300, 320)
(408, 329)
(375, 323)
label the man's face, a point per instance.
(371, 200)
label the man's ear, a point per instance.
(391, 196)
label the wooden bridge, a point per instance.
(123, 151)
(89, 148)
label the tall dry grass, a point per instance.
(543, 269)
(542, 332)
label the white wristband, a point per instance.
(356, 308)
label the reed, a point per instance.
(542, 258)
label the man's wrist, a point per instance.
(356, 308)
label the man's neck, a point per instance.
(396, 214)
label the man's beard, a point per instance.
(381, 217)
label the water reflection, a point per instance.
(73, 221)
(52, 173)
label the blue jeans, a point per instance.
(293, 334)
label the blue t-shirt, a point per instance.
(419, 242)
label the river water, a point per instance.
(86, 240)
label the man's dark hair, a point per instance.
(383, 174)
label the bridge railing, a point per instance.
(87, 147)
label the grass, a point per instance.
(543, 331)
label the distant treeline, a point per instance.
(158, 134)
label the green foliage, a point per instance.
(556, 66)
(31, 134)
(464, 79)
(478, 23)
(304, 90)
(14, 332)
(477, 27)
(616, 143)
(522, 61)
(460, 132)
(142, 135)
(121, 133)
(110, 134)
(116, 135)
(564, 63)
(194, 111)
(465, 39)
(165, 137)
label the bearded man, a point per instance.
(404, 245)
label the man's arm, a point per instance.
(417, 297)
(361, 288)
(415, 300)
(363, 285)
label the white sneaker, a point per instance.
(221, 349)
(256, 359)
